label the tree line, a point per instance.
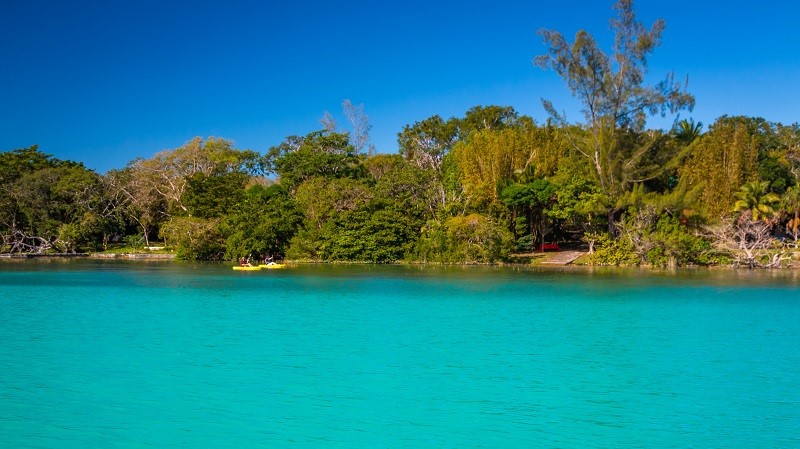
(478, 188)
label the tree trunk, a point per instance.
(613, 229)
(146, 237)
(531, 227)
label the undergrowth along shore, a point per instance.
(542, 259)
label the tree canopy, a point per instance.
(616, 101)
(486, 186)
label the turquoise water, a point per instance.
(135, 355)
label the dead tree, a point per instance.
(749, 242)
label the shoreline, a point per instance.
(127, 256)
(550, 259)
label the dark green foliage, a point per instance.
(530, 205)
(321, 199)
(487, 117)
(214, 196)
(777, 173)
(332, 205)
(15, 163)
(451, 177)
(306, 245)
(324, 154)
(375, 219)
(580, 207)
(49, 205)
(263, 223)
(373, 232)
(402, 184)
(372, 235)
(687, 131)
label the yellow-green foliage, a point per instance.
(721, 161)
(469, 238)
(489, 158)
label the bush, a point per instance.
(368, 234)
(194, 238)
(262, 224)
(464, 239)
(609, 251)
(676, 246)
(657, 240)
(134, 241)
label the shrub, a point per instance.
(464, 239)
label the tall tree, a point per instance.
(490, 117)
(490, 159)
(789, 137)
(791, 204)
(262, 224)
(46, 203)
(359, 121)
(719, 162)
(169, 171)
(616, 101)
(427, 142)
(137, 198)
(328, 122)
(213, 196)
(402, 183)
(529, 203)
(321, 199)
(318, 154)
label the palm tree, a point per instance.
(754, 197)
(687, 131)
(791, 204)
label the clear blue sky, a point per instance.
(106, 81)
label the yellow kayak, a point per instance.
(272, 266)
(246, 268)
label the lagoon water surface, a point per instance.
(134, 355)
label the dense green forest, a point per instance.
(472, 189)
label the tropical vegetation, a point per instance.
(478, 188)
